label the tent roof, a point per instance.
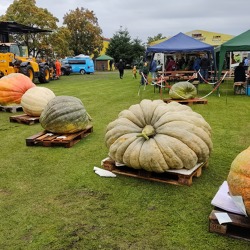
(180, 43)
(104, 58)
(13, 27)
(238, 43)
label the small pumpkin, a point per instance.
(239, 177)
(183, 90)
(156, 136)
(35, 99)
(64, 114)
(12, 88)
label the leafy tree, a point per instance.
(138, 50)
(59, 41)
(155, 38)
(26, 12)
(121, 47)
(85, 31)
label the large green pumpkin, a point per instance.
(183, 90)
(65, 114)
(156, 136)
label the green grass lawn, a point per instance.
(50, 197)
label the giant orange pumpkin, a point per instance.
(12, 88)
(239, 177)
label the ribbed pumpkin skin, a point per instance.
(177, 137)
(183, 90)
(12, 88)
(64, 114)
(239, 177)
(35, 99)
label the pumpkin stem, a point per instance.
(89, 117)
(147, 132)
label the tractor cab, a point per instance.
(14, 58)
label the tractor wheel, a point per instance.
(28, 71)
(44, 75)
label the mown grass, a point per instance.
(50, 198)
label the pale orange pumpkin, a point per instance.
(239, 177)
(12, 88)
(35, 99)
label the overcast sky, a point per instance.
(147, 18)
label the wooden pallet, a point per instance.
(176, 177)
(47, 139)
(11, 109)
(25, 119)
(239, 227)
(188, 101)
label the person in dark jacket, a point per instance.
(144, 74)
(121, 67)
(204, 66)
(153, 68)
(240, 73)
(240, 79)
(196, 66)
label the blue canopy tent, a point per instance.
(181, 43)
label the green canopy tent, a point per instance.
(238, 43)
(102, 62)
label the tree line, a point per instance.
(79, 34)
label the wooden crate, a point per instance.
(24, 119)
(11, 109)
(188, 101)
(239, 227)
(176, 177)
(47, 139)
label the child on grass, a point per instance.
(134, 71)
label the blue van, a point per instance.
(80, 64)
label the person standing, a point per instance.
(171, 65)
(134, 72)
(196, 68)
(245, 62)
(58, 68)
(144, 74)
(111, 65)
(121, 67)
(204, 66)
(153, 67)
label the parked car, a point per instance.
(66, 69)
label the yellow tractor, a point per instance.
(12, 60)
(15, 59)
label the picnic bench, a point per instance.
(177, 75)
